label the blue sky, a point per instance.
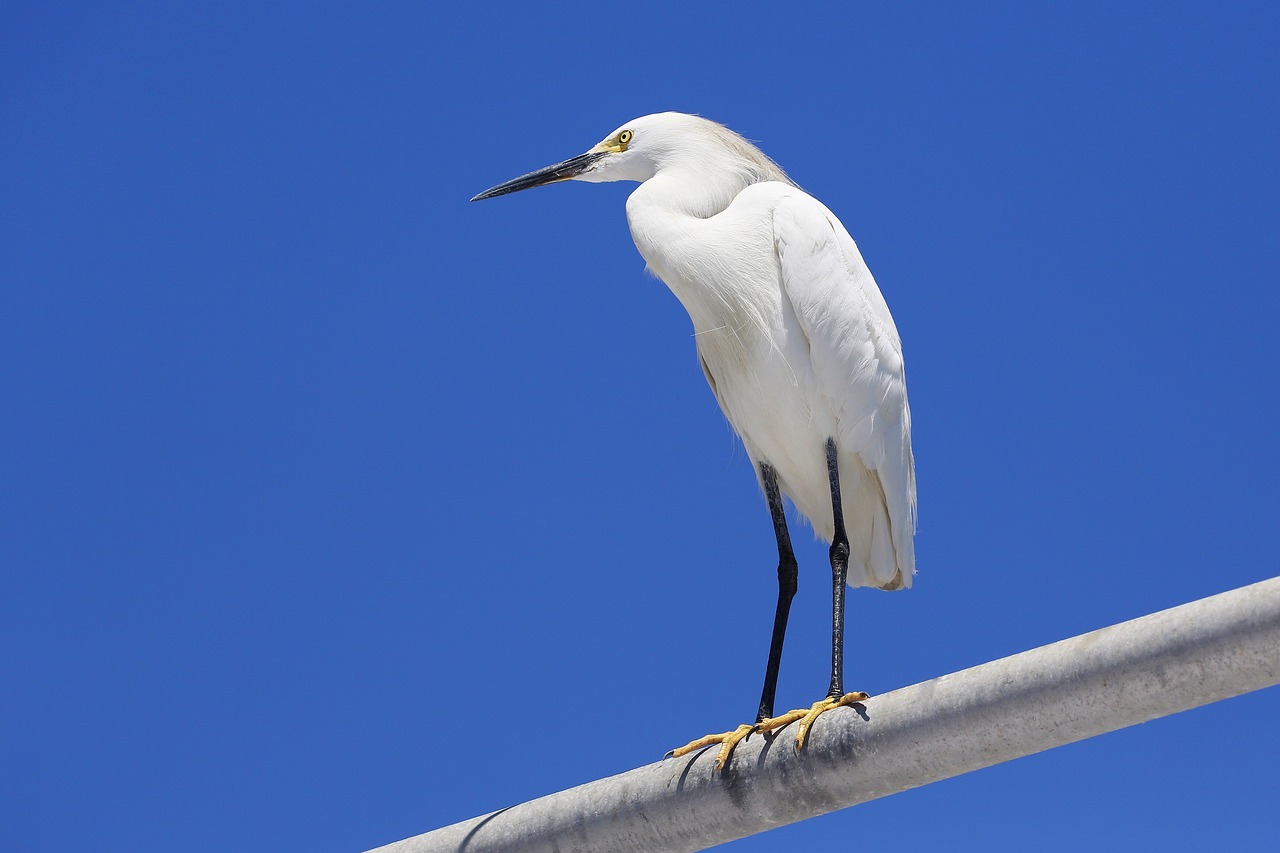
(336, 508)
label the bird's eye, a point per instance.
(624, 137)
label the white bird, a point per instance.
(797, 344)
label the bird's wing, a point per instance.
(855, 351)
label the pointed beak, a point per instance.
(565, 171)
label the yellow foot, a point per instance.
(727, 741)
(807, 716)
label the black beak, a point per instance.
(559, 172)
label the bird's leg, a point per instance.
(788, 573)
(836, 696)
(839, 575)
(787, 584)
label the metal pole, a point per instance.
(1129, 673)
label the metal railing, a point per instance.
(1098, 682)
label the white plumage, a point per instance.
(793, 334)
(797, 344)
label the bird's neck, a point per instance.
(661, 214)
(665, 210)
(700, 192)
(669, 216)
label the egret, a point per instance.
(798, 346)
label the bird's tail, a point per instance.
(880, 556)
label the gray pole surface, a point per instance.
(1129, 673)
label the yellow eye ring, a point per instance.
(624, 137)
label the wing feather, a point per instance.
(857, 360)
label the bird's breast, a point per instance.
(726, 273)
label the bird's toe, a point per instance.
(807, 716)
(727, 741)
(818, 708)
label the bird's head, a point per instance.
(637, 150)
(624, 155)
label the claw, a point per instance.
(807, 716)
(727, 741)
(822, 707)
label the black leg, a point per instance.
(839, 575)
(787, 575)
